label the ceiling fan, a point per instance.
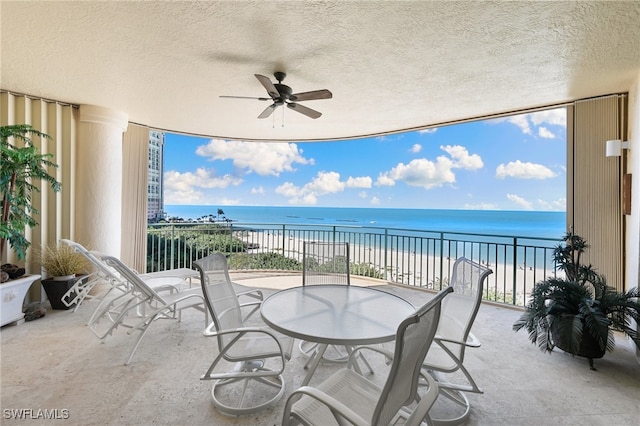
(282, 94)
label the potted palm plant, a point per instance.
(577, 311)
(64, 266)
(23, 168)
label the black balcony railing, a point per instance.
(404, 256)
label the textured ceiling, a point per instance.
(391, 66)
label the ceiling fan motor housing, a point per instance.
(284, 90)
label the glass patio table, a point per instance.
(344, 315)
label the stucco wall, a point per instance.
(632, 256)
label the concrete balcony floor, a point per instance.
(56, 362)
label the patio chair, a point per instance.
(454, 336)
(103, 273)
(218, 270)
(142, 305)
(347, 397)
(243, 341)
(325, 263)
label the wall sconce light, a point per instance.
(615, 147)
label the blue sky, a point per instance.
(512, 163)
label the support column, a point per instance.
(99, 179)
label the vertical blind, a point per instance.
(594, 201)
(56, 211)
(135, 155)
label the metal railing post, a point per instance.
(386, 243)
(514, 266)
(284, 238)
(441, 259)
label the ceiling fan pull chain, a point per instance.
(282, 117)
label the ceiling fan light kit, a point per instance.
(281, 94)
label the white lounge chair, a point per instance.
(346, 397)
(139, 305)
(82, 288)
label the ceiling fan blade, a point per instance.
(309, 96)
(267, 112)
(304, 110)
(266, 82)
(246, 97)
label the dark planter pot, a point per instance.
(589, 347)
(55, 289)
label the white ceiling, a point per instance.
(391, 66)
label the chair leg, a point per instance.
(238, 396)
(459, 413)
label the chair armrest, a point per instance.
(254, 304)
(336, 407)
(471, 342)
(240, 332)
(253, 293)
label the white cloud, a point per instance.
(324, 183)
(552, 117)
(186, 188)
(560, 204)
(556, 117)
(201, 178)
(429, 174)
(545, 133)
(519, 170)
(480, 206)
(527, 205)
(520, 121)
(374, 201)
(358, 182)
(362, 194)
(461, 157)
(259, 157)
(385, 180)
(228, 201)
(288, 190)
(258, 190)
(421, 172)
(432, 130)
(190, 196)
(416, 148)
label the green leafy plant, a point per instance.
(579, 307)
(23, 167)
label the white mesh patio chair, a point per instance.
(218, 270)
(454, 336)
(325, 263)
(347, 397)
(139, 305)
(252, 356)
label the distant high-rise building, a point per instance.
(155, 202)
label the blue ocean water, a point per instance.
(493, 222)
